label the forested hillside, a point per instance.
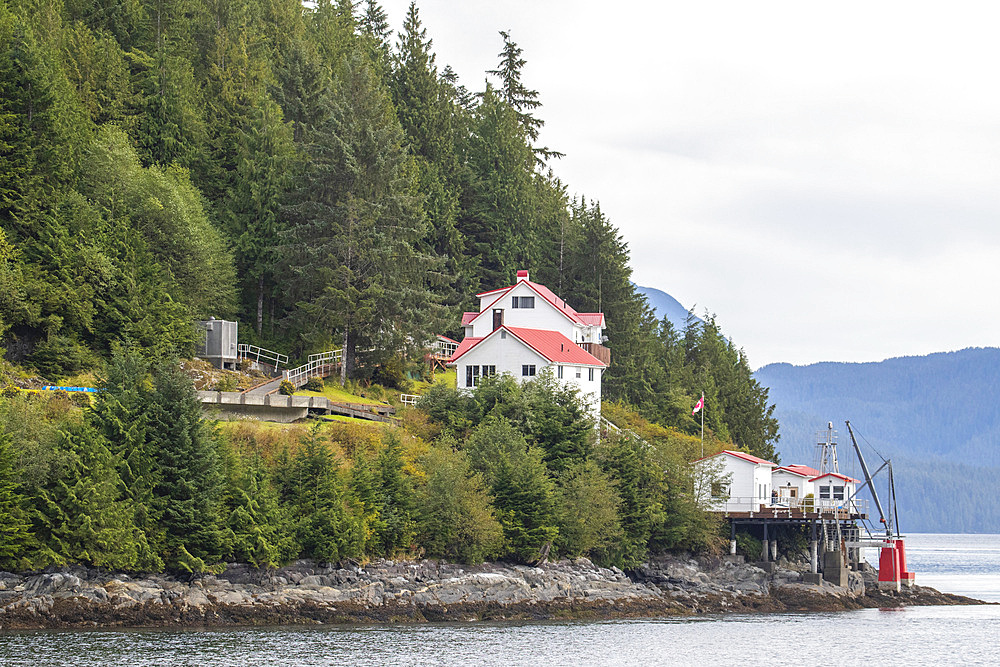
(936, 416)
(313, 174)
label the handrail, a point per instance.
(755, 504)
(443, 348)
(299, 376)
(409, 399)
(255, 353)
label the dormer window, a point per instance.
(522, 302)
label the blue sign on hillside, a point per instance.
(53, 388)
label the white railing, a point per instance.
(607, 424)
(810, 505)
(256, 354)
(409, 399)
(315, 366)
(444, 348)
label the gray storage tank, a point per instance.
(217, 343)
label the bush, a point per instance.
(287, 388)
(80, 399)
(10, 391)
(749, 546)
(315, 383)
(227, 382)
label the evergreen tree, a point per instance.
(524, 493)
(15, 533)
(79, 517)
(454, 513)
(353, 221)
(328, 528)
(521, 99)
(188, 476)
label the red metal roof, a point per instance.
(740, 455)
(837, 475)
(555, 347)
(800, 470)
(467, 344)
(468, 317)
(551, 345)
(592, 319)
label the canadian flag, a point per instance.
(699, 405)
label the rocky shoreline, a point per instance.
(410, 592)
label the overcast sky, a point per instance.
(821, 176)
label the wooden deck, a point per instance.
(793, 514)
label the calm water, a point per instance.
(967, 564)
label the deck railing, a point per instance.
(443, 349)
(806, 505)
(409, 399)
(258, 354)
(318, 365)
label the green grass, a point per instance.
(446, 378)
(337, 394)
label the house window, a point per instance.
(471, 376)
(824, 493)
(720, 490)
(590, 374)
(579, 372)
(838, 493)
(527, 370)
(522, 302)
(559, 372)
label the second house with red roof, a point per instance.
(525, 328)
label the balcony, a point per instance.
(602, 353)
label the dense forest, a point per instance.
(320, 178)
(935, 416)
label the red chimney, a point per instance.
(522, 275)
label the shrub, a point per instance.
(227, 382)
(287, 388)
(749, 546)
(315, 383)
(80, 399)
(10, 391)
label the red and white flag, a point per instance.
(699, 405)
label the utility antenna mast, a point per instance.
(826, 450)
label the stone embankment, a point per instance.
(386, 591)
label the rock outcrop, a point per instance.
(386, 591)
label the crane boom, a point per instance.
(868, 480)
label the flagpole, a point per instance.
(702, 424)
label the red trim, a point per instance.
(837, 475)
(450, 340)
(800, 470)
(740, 455)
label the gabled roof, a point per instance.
(797, 469)
(741, 455)
(450, 340)
(555, 347)
(467, 344)
(837, 475)
(583, 319)
(551, 345)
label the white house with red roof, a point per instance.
(524, 328)
(792, 482)
(743, 481)
(833, 489)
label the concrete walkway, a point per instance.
(265, 389)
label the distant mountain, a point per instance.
(937, 417)
(665, 305)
